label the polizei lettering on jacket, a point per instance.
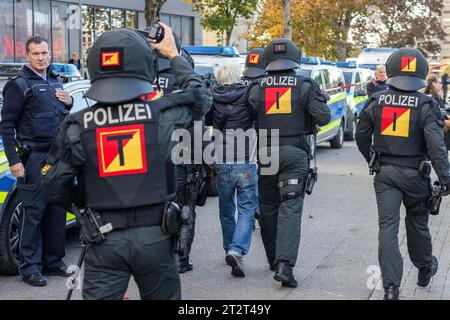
(398, 100)
(118, 114)
(279, 81)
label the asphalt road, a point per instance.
(337, 258)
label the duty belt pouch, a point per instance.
(171, 218)
(202, 194)
(424, 168)
(92, 228)
(311, 180)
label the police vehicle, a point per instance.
(331, 80)
(356, 80)
(10, 205)
(371, 57)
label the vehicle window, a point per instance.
(305, 73)
(79, 102)
(326, 79)
(318, 78)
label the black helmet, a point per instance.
(281, 54)
(122, 67)
(254, 63)
(164, 62)
(185, 54)
(407, 69)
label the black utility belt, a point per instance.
(407, 162)
(147, 216)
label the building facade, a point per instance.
(445, 44)
(59, 22)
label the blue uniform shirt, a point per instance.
(31, 111)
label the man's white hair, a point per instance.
(228, 73)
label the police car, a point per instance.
(356, 80)
(331, 80)
(10, 205)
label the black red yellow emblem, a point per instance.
(111, 59)
(395, 122)
(409, 64)
(278, 100)
(254, 58)
(121, 150)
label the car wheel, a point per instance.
(351, 134)
(10, 236)
(338, 141)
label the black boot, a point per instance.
(425, 274)
(285, 275)
(391, 294)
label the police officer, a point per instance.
(166, 83)
(286, 102)
(379, 83)
(254, 66)
(34, 106)
(119, 151)
(407, 130)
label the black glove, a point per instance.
(446, 190)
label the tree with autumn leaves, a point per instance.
(323, 27)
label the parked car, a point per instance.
(330, 80)
(10, 205)
(356, 80)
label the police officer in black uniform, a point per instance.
(405, 129)
(254, 66)
(166, 83)
(34, 106)
(289, 103)
(119, 151)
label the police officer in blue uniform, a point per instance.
(405, 130)
(120, 152)
(293, 105)
(33, 108)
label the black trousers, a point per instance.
(182, 172)
(394, 185)
(43, 226)
(145, 253)
(281, 220)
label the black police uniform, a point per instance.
(407, 128)
(166, 82)
(32, 113)
(287, 102)
(120, 153)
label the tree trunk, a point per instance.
(287, 19)
(152, 9)
(229, 32)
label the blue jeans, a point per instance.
(237, 182)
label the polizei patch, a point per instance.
(121, 150)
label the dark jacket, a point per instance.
(430, 122)
(67, 156)
(31, 111)
(440, 101)
(230, 100)
(376, 86)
